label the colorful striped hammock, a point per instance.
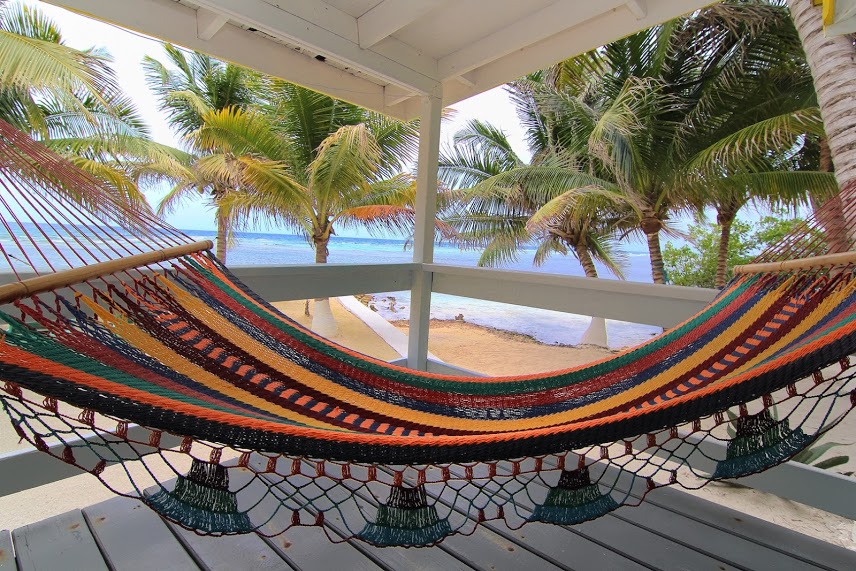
(247, 422)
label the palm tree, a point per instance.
(673, 124)
(70, 101)
(507, 204)
(38, 68)
(190, 86)
(831, 60)
(312, 163)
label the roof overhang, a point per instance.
(385, 54)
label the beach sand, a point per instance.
(475, 348)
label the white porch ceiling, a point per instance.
(384, 54)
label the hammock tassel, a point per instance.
(406, 520)
(760, 442)
(202, 500)
(573, 500)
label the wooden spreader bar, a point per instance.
(40, 284)
(838, 259)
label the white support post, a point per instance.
(423, 235)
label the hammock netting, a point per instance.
(173, 383)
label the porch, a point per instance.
(670, 530)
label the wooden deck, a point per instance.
(672, 530)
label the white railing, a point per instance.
(635, 302)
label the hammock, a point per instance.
(223, 415)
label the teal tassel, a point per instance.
(406, 520)
(575, 499)
(202, 501)
(760, 442)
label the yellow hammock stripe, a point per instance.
(337, 391)
(823, 308)
(151, 346)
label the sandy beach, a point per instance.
(472, 347)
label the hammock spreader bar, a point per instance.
(827, 261)
(251, 423)
(55, 281)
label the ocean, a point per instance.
(273, 249)
(546, 326)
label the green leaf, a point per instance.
(832, 462)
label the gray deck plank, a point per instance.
(643, 545)
(718, 543)
(61, 542)
(754, 529)
(7, 553)
(230, 552)
(133, 538)
(362, 556)
(573, 550)
(640, 545)
(490, 551)
(309, 549)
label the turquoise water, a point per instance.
(546, 326)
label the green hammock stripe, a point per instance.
(27, 339)
(485, 388)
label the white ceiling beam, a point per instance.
(596, 32)
(542, 24)
(208, 23)
(331, 37)
(468, 79)
(637, 8)
(390, 16)
(170, 21)
(393, 95)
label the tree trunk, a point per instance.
(725, 222)
(323, 322)
(595, 333)
(833, 221)
(658, 274)
(584, 256)
(222, 235)
(833, 67)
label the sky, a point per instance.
(128, 50)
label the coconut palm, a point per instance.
(70, 101)
(38, 68)
(189, 86)
(505, 205)
(282, 169)
(832, 65)
(831, 60)
(673, 124)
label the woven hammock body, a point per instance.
(253, 423)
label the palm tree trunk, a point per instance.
(725, 223)
(833, 222)
(833, 66)
(658, 274)
(222, 234)
(323, 322)
(584, 256)
(595, 333)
